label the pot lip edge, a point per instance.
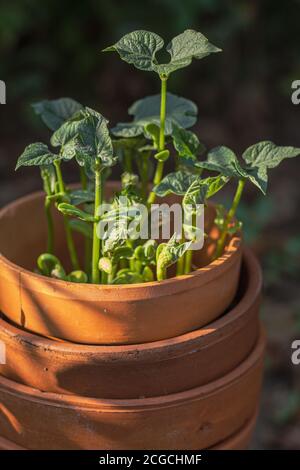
(133, 351)
(232, 251)
(50, 399)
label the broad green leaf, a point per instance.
(179, 111)
(86, 137)
(73, 211)
(186, 143)
(184, 48)
(174, 183)
(55, 112)
(202, 189)
(82, 227)
(140, 47)
(268, 154)
(223, 160)
(36, 155)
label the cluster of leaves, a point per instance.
(160, 127)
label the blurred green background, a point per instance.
(53, 48)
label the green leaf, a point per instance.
(268, 154)
(55, 112)
(82, 227)
(223, 160)
(264, 155)
(179, 111)
(202, 189)
(184, 48)
(174, 183)
(36, 155)
(81, 196)
(140, 47)
(186, 143)
(86, 136)
(72, 211)
(147, 274)
(171, 252)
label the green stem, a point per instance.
(160, 165)
(180, 266)
(229, 217)
(69, 237)
(50, 227)
(188, 261)
(96, 239)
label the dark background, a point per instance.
(52, 48)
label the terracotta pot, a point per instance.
(238, 441)
(193, 419)
(178, 364)
(97, 314)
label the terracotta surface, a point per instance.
(197, 418)
(95, 314)
(239, 440)
(149, 369)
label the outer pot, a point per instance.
(97, 314)
(193, 419)
(238, 441)
(150, 369)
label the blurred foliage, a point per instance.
(52, 48)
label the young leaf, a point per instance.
(162, 156)
(72, 211)
(180, 111)
(202, 189)
(105, 265)
(185, 47)
(169, 254)
(55, 112)
(264, 155)
(174, 183)
(223, 160)
(147, 274)
(186, 143)
(140, 47)
(36, 155)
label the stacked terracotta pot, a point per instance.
(170, 365)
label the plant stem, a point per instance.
(180, 266)
(230, 215)
(96, 239)
(69, 237)
(50, 227)
(160, 165)
(188, 261)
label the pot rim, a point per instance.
(216, 267)
(133, 352)
(102, 405)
